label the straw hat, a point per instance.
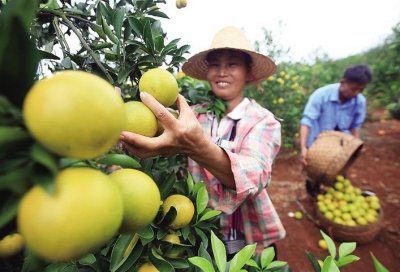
(230, 38)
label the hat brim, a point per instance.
(261, 67)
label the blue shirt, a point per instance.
(324, 111)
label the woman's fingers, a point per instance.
(161, 112)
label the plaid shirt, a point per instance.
(257, 142)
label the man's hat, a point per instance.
(231, 38)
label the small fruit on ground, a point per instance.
(140, 119)
(161, 84)
(80, 215)
(141, 198)
(184, 210)
(74, 114)
(322, 244)
(11, 244)
(298, 215)
(147, 267)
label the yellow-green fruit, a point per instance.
(141, 198)
(147, 267)
(181, 3)
(173, 252)
(298, 215)
(83, 212)
(11, 244)
(322, 244)
(74, 114)
(140, 119)
(161, 84)
(184, 210)
(172, 238)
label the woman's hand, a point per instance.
(183, 135)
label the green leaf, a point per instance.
(136, 25)
(166, 185)
(267, 256)
(314, 261)
(342, 261)
(254, 264)
(8, 210)
(202, 263)
(99, 30)
(330, 265)
(131, 259)
(16, 47)
(42, 156)
(11, 137)
(16, 180)
(190, 183)
(23, 9)
(148, 37)
(158, 13)
(377, 264)
(159, 262)
(87, 260)
(209, 214)
(219, 251)
(276, 265)
(146, 235)
(241, 258)
(330, 243)
(117, 253)
(204, 238)
(64, 267)
(118, 20)
(346, 248)
(123, 160)
(201, 200)
(107, 30)
(105, 10)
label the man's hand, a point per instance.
(303, 156)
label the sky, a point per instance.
(338, 28)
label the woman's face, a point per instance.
(227, 74)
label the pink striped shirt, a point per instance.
(256, 144)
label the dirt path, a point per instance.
(377, 169)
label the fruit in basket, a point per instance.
(345, 204)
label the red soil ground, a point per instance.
(377, 169)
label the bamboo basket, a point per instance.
(359, 234)
(331, 154)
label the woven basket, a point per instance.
(359, 234)
(331, 154)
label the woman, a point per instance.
(233, 156)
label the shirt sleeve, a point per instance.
(251, 163)
(312, 110)
(361, 109)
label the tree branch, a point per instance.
(83, 42)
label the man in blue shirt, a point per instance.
(339, 106)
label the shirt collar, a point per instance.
(238, 112)
(334, 96)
